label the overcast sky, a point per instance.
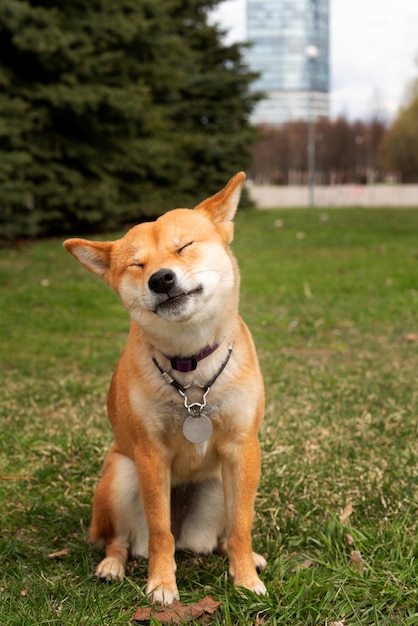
(374, 48)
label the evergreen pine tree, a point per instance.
(115, 110)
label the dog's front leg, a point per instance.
(154, 480)
(241, 474)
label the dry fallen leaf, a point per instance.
(306, 564)
(345, 514)
(357, 561)
(411, 337)
(349, 539)
(56, 555)
(178, 612)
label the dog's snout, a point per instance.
(162, 281)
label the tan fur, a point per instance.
(132, 513)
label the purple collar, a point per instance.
(189, 363)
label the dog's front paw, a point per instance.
(258, 587)
(253, 584)
(259, 561)
(163, 592)
(111, 568)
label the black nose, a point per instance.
(162, 281)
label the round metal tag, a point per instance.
(197, 429)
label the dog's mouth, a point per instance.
(176, 301)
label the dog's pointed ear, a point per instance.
(94, 255)
(223, 205)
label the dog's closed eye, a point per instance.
(137, 264)
(180, 250)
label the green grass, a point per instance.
(332, 300)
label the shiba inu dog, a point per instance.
(185, 402)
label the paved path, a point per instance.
(270, 196)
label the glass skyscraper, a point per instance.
(290, 48)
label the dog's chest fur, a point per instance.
(199, 461)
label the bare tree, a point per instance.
(345, 152)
